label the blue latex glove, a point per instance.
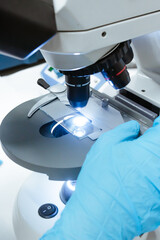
(117, 194)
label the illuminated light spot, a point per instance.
(80, 121)
(79, 132)
(71, 185)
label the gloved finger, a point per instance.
(152, 135)
(124, 132)
(156, 121)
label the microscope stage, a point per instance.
(61, 157)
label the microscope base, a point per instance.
(36, 191)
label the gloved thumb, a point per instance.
(152, 135)
(124, 132)
(156, 122)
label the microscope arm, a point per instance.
(88, 36)
(89, 31)
(85, 31)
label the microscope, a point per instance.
(79, 38)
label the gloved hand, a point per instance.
(117, 194)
